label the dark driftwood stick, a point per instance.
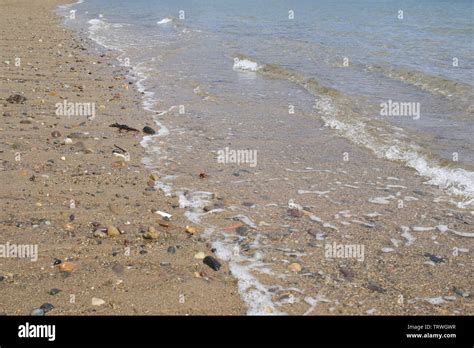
(122, 127)
(118, 147)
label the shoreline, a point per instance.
(67, 183)
(68, 188)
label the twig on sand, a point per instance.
(122, 127)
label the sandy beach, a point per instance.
(78, 189)
(56, 194)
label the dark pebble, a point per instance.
(242, 230)
(375, 287)
(46, 307)
(148, 130)
(434, 258)
(212, 262)
(172, 250)
(57, 262)
(16, 99)
(419, 192)
(2, 278)
(295, 213)
(460, 292)
(347, 273)
(117, 268)
(55, 134)
(54, 291)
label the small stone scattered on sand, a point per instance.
(97, 301)
(16, 99)
(295, 267)
(148, 130)
(191, 230)
(212, 262)
(200, 256)
(375, 287)
(54, 291)
(152, 233)
(113, 231)
(66, 267)
(37, 312)
(46, 307)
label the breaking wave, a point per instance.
(337, 113)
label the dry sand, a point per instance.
(37, 187)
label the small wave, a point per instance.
(455, 181)
(97, 24)
(245, 65)
(67, 6)
(438, 85)
(165, 20)
(374, 135)
(177, 25)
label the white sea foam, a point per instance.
(67, 6)
(407, 235)
(381, 200)
(456, 181)
(246, 65)
(256, 295)
(165, 21)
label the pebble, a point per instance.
(163, 223)
(37, 312)
(148, 130)
(152, 233)
(295, 267)
(16, 99)
(172, 250)
(54, 291)
(46, 307)
(117, 268)
(99, 234)
(55, 134)
(66, 267)
(154, 177)
(460, 292)
(347, 273)
(200, 255)
(191, 230)
(212, 263)
(97, 301)
(434, 258)
(242, 230)
(295, 213)
(375, 287)
(113, 231)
